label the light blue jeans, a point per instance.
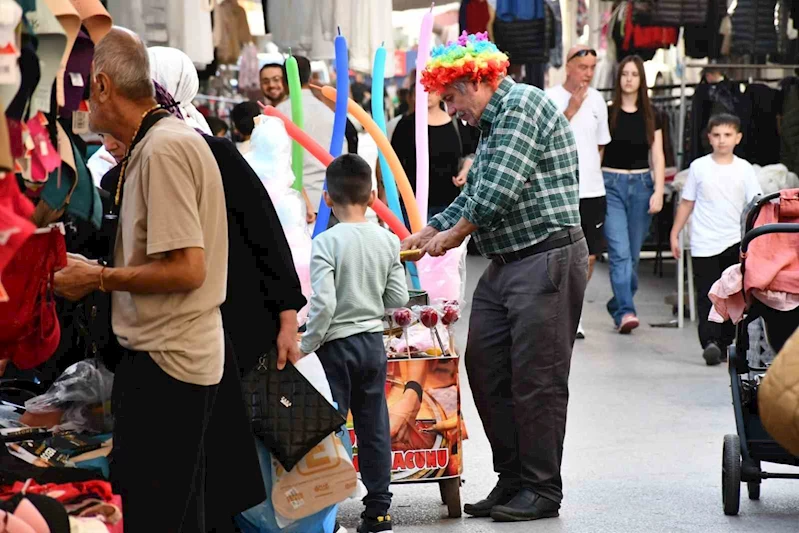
(627, 223)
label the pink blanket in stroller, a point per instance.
(772, 266)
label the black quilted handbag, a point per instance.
(286, 412)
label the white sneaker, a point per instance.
(580, 330)
(339, 528)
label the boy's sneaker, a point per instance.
(712, 354)
(375, 525)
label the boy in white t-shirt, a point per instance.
(719, 187)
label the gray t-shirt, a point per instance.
(356, 274)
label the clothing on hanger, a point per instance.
(761, 142)
(31, 73)
(95, 18)
(231, 31)
(705, 40)
(510, 10)
(31, 331)
(70, 20)
(474, 16)
(555, 27)
(52, 42)
(647, 37)
(754, 32)
(11, 80)
(77, 79)
(670, 12)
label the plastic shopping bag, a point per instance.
(299, 501)
(83, 393)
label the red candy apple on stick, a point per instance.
(450, 313)
(429, 318)
(404, 318)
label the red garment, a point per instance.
(647, 37)
(65, 492)
(29, 328)
(477, 16)
(772, 261)
(15, 224)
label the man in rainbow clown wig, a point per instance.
(521, 205)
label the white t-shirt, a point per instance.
(720, 193)
(590, 128)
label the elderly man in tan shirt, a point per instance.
(167, 281)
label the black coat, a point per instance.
(753, 28)
(669, 12)
(704, 40)
(262, 281)
(761, 145)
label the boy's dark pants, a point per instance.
(356, 369)
(707, 270)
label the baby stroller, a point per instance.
(759, 337)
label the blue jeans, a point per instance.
(627, 224)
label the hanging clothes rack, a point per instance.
(684, 254)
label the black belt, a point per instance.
(556, 240)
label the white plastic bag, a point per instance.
(81, 387)
(270, 158)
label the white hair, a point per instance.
(122, 56)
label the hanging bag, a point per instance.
(286, 411)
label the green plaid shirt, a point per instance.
(523, 185)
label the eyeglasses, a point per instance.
(583, 53)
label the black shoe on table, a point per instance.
(498, 496)
(526, 506)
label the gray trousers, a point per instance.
(521, 334)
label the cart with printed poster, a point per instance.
(426, 435)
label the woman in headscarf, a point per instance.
(263, 288)
(173, 70)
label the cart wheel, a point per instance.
(754, 490)
(451, 494)
(731, 475)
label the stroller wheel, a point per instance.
(754, 490)
(731, 475)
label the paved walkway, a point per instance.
(643, 445)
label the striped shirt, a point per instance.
(523, 185)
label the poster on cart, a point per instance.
(425, 439)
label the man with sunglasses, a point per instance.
(587, 113)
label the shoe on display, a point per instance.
(580, 330)
(498, 496)
(526, 506)
(712, 354)
(375, 525)
(628, 323)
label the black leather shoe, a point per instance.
(498, 496)
(525, 506)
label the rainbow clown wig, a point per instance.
(473, 57)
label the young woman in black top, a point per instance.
(633, 166)
(449, 142)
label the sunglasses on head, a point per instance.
(583, 53)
